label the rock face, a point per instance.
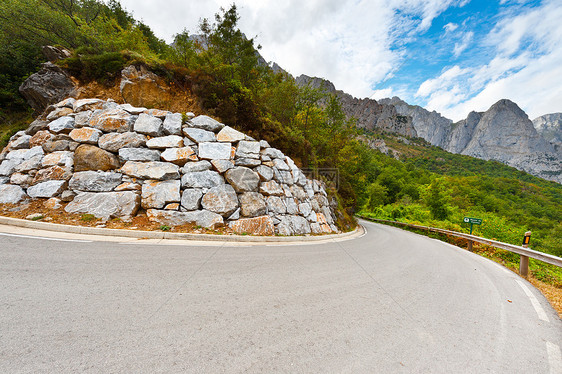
(369, 113)
(48, 86)
(118, 160)
(549, 127)
(503, 133)
(428, 125)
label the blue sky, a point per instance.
(452, 56)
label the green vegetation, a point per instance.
(87, 217)
(509, 201)
(165, 228)
(549, 274)
(222, 68)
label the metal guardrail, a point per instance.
(525, 253)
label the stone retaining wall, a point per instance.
(114, 160)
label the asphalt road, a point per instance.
(390, 301)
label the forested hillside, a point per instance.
(223, 70)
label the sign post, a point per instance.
(472, 221)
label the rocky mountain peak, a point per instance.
(316, 83)
(505, 105)
(549, 127)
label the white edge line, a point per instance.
(554, 358)
(44, 238)
(538, 308)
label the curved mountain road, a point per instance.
(389, 301)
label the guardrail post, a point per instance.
(524, 266)
(524, 260)
(470, 245)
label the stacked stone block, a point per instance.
(113, 160)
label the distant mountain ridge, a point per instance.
(549, 127)
(503, 133)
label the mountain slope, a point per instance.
(503, 133)
(549, 127)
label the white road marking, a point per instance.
(538, 308)
(364, 232)
(554, 358)
(44, 238)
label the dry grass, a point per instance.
(139, 222)
(552, 294)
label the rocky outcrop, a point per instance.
(504, 133)
(370, 114)
(549, 127)
(114, 160)
(430, 126)
(48, 86)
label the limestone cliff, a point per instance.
(370, 114)
(549, 127)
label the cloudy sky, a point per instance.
(452, 56)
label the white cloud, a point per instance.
(463, 44)
(450, 27)
(527, 69)
(348, 42)
(358, 44)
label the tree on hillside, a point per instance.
(437, 202)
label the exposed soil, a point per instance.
(140, 222)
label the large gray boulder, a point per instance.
(149, 125)
(179, 156)
(230, 135)
(105, 205)
(206, 123)
(192, 167)
(191, 199)
(293, 225)
(252, 204)
(139, 154)
(242, 179)
(34, 163)
(203, 218)
(172, 124)
(62, 125)
(215, 151)
(151, 170)
(202, 179)
(163, 142)
(25, 154)
(10, 194)
(48, 86)
(248, 149)
(7, 167)
(199, 135)
(156, 194)
(94, 181)
(276, 205)
(221, 200)
(114, 141)
(47, 189)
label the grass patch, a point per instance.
(87, 217)
(165, 228)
